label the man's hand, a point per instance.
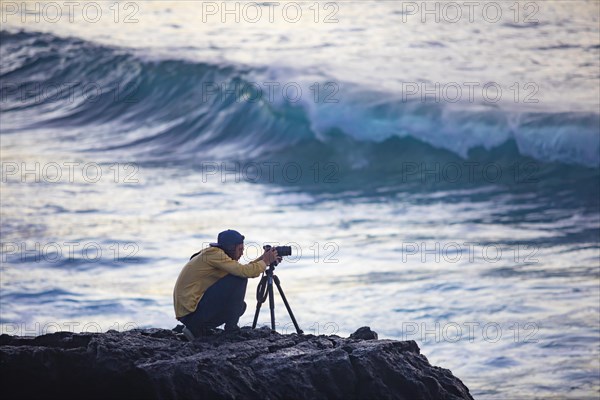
(270, 256)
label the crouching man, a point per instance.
(211, 287)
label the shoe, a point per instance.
(188, 334)
(206, 332)
(178, 328)
(231, 328)
(232, 332)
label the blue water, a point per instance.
(472, 227)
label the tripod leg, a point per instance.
(287, 305)
(271, 302)
(259, 302)
(256, 314)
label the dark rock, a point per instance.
(364, 333)
(161, 364)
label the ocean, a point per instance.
(435, 167)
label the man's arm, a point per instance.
(278, 258)
(225, 263)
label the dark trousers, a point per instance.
(222, 303)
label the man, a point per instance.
(211, 287)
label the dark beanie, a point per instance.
(229, 238)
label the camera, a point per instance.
(282, 251)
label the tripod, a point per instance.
(265, 287)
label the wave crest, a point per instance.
(164, 108)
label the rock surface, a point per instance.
(160, 364)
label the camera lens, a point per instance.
(284, 251)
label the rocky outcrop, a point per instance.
(160, 364)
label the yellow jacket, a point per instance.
(202, 271)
